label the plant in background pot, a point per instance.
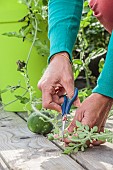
(29, 50)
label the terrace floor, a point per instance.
(22, 150)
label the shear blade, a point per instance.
(64, 119)
(63, 127)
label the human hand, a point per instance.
(93, 112)
(56, 81)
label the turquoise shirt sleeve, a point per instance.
(105, 80)
(63, 20)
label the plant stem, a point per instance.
(27, 61)
(87, 79)
(12, 101)
(34, 39)
(104, 135)
(86, 69)
(23, 88)
(8, 22)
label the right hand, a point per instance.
(57, 80)
(93, 112)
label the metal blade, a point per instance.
(63, 128)
(64, 119)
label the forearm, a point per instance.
(105, 80)
(64, 20)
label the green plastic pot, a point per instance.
(12, 50)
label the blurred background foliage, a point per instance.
(92, 34)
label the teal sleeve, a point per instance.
(63, 20)
(105, 80)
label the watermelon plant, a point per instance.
(81, 137)
(34, 29)
(35, 26)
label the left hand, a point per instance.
(56, 81)
(93, 112)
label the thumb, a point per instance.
(72, 125)
(77, 102)
(69, 88)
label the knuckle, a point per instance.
(43, 84)
(49, 89)
(39, 85)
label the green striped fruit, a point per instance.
(39, 123)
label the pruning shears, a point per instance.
(66, 106)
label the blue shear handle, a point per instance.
(70, 101)
(64, 105)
